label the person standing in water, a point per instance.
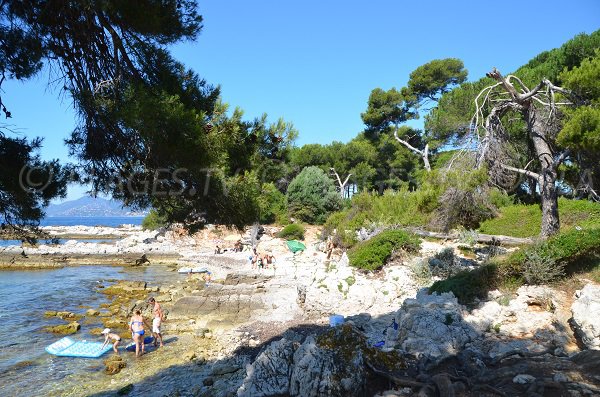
(136, 326)
(158, 314)
(108, 336)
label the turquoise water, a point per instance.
(25, 368)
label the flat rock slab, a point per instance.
(234, 304)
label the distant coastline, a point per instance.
(108, 221)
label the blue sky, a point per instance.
(314, 63)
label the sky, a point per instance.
(314, 63)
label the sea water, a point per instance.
(25, 368)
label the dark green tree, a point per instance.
(145, 134)
(311, 196)
(531, 123)
(388, 109)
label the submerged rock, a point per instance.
(64, 329)
(114, 364)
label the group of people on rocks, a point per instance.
(261, 261)
(136, 326)
(238, 247)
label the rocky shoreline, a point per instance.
(246, 332)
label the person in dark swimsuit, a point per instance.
(136, 325)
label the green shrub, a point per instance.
(272, 206)
(499, 199)
(293, 231)
(539, 263)
(442, 264)
(374, 253)
(468, 236)
(153, 221)
(541, 269)
(469, 285)
(421, 272)
(312, 196)
(568, 249)
(367, 209)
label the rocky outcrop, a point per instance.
(269, 374)
(331, 364)
(586, 318)
(431, 326)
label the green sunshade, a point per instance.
(295, 246)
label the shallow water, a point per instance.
(25, 368)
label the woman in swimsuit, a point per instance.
(136, 325)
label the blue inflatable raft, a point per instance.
(67, 347)
(131, 347)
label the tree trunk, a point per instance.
(549, 196)
(425, 158)
(548, 175)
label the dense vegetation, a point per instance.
(547, 261)
(144, 117)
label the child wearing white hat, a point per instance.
(108, 336)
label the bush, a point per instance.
(421, 272)
(293, 231)
(374, 253)
(271, 203)
(541, 269)
(540, 263)
(367, 209)
(464, 199)
(442, 263)
(153, 221)
(312, 196)
(469, 285)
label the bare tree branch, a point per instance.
(423, 153)
(528, 173)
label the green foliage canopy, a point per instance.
(311, 196)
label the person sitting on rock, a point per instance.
(330, 247)
(238, 246)
(108, 336)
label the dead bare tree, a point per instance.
(423, 153)
(341, 184)
(539, 108)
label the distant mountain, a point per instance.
(89, 206)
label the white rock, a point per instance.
(586, 320)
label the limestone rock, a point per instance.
(321, 370)
(92, 312)
(585, 311)
(329, 365)
(269, 374)
(431, 326)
